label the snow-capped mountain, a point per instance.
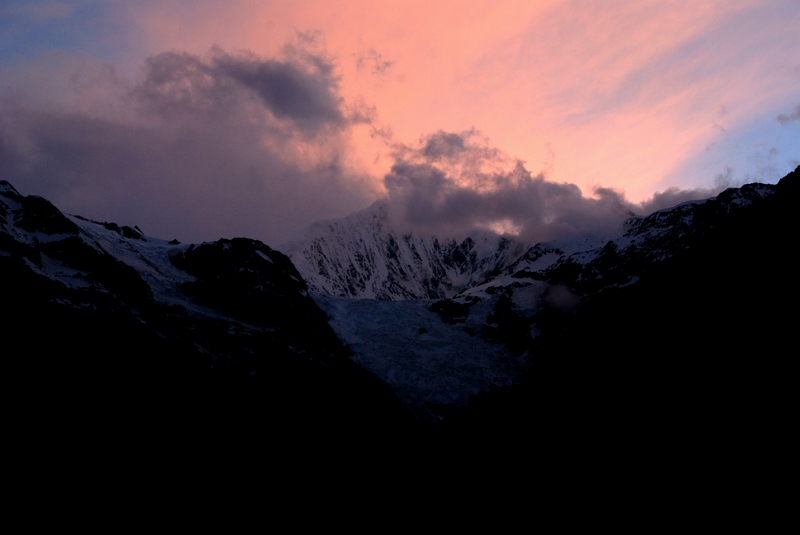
(587, 265)
(672, 341)
(561, 277)
(362, 325)
(364, 255)
(504, 300)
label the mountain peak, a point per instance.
(7, 189)
(369, 255)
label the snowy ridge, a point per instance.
(148, 256)
(78, 253)
(563, 272)
(364, 256)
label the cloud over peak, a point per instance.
(452, 182)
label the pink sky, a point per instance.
(613, 93)
(636, 96)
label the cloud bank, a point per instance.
(454, 182)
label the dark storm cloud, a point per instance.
(788, 118)
(308, 97)
(456, 182)
(198, 148)
(443, 145)
(303, 92)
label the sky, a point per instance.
(204, 119)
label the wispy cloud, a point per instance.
(373, 61)
(786, 118)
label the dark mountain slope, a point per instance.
(106, 332)
(694, 363)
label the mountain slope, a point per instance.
(679, 349)
(557, 277)
(687, 307)
(104, 324)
